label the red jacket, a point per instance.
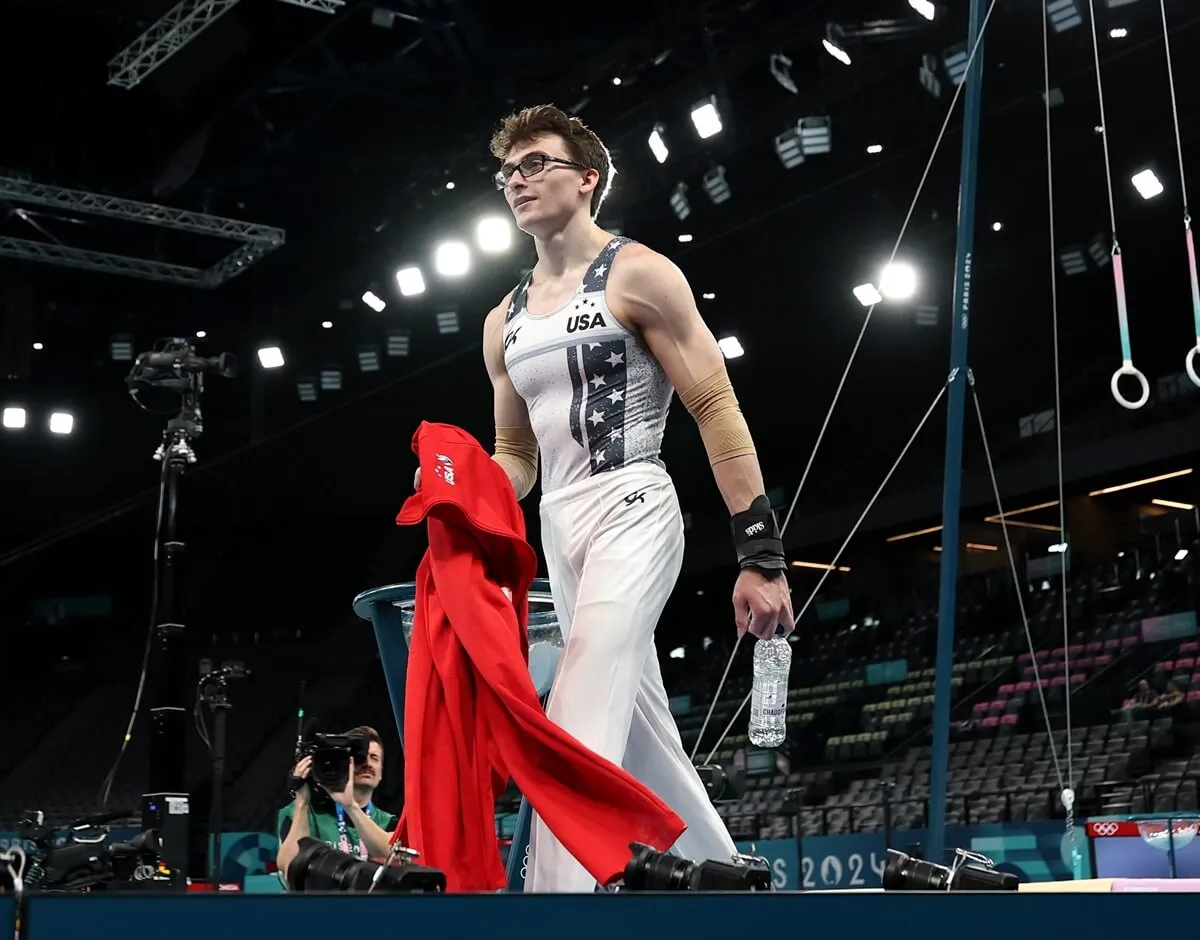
(472, 716)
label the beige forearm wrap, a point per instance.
(723, 429)
(517, 452)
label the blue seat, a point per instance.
(390, 611)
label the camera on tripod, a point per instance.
(970, 871)
(86, 861)
(649, 870)
(331, 762)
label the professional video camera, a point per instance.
(320, 867)
(969, 872)
(649, 870)
(331, 755)
(85, 860)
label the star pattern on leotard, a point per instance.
(604, 377)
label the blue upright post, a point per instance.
(955, 413)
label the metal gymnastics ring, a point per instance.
(1190, 362)
(1128, 368)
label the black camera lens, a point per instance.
(905, 873)
(320, 867)
(649, 870)
(654, 871)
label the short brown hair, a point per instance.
(367, 732)
(582, 143)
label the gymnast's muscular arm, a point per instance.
(516, 447)
(651, 293)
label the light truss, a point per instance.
(320, 6)
(178, 27)
(256, 240)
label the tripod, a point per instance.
(168, 711)
(174, 367)
(215, 697)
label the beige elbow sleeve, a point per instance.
(517, 452)
(723, 429)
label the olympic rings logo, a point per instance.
(1105, 828)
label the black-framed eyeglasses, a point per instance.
(529, 166)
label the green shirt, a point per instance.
(323, 825)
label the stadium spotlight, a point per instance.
(447, 322)
(374, 301)
(867, 295)
(1147, 183)
(834, 44)
(121, 348)
(789, 148)
(1064, 14)
(955, 60)
(368, 357)
(924, 8)
(306, 388)
(398, 342)
(493, 235)
(62, 422)
(929, 76)
(816, 135)
(781, 70)
(926, 315)
(410, 282)
(898, 281)
(658, 143)
(1072, 259)
(716, 186)
(731, 347)
(679, 202)
(451, 259)
(14, 417)
(331, 378)
(706, 118)
(270, 357)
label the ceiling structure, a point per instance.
(306, 147)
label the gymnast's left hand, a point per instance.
(762, 604)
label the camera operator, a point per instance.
(348, 820)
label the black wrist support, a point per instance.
(756, 538)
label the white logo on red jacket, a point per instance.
(446, 470)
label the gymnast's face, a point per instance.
(545, 185)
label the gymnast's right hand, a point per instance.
(417, 479)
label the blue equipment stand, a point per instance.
(390, 611)
(955, 413)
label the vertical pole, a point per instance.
(956, 410)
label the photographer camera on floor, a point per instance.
(333, 784)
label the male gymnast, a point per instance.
(584, 356)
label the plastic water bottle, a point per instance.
(768, 697)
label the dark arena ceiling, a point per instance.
(343, 128)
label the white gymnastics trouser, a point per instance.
(614, 549)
